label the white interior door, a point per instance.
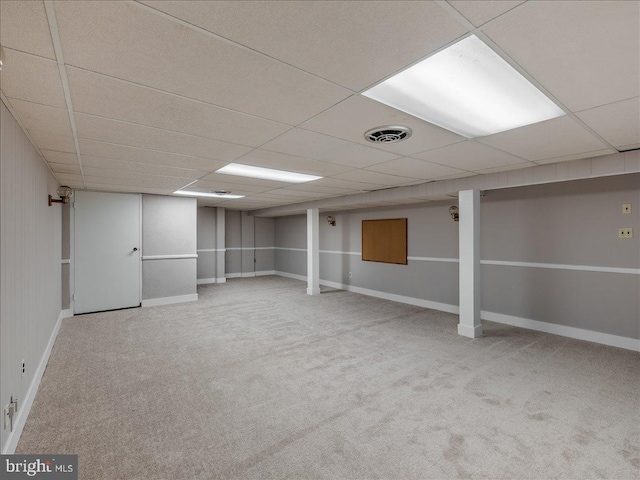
(107, 251)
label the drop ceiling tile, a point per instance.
(235, 179)
(297, 193)
(412, 167)
(470, 156)
(24, 26)
(480, 12)
(65, 168)
(577, 156)
(351, 118)
(50, 141)
(281, 161)
(89, 161)
(376, 178)
(105, 187)
(346, 184)
(40, 117)
(618, 123)
(505, 168)
(150, 157)
(31, 78)
(135, 181)
(124, 134)
(69, 178)
(304, 143)
(108, 97)
(549, 139)
(52, 156)
(585, 53)
(129, 42)
(353, 43)
(312, 187)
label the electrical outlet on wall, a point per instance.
(625, 232)
(350, 274)
(626, 208)
(23, 368)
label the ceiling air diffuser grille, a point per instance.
(388, 134)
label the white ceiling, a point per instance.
(151, 96)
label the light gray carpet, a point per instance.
(259, 380)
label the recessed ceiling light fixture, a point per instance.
(466, 88)
(218, 194)
(266, 173)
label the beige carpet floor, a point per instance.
(259, 380)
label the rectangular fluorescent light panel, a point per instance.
(466, 88)
(266, 173)
(204, 194)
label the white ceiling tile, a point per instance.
(65, 168)
(577, 156)
(152, 157)
(104, 187)
(304, 143)
(69, 178)
(53, 156)
(376, 178)
(412, 167)
(313, 187)
(346, 184)
(128, 42)
(36, 116)
(51, 141)
(505, 168)
(297, 193)
(586, 53)
(89, 161)
(351, 118)
(215, 178)
(235, 188)
(480, 12)
(24, 26)
(281, 161)
(549, 139)
(31, 78)
(618, 123)
(353, 43)
(125, 134)
(132, 180)
(108, 97)
(469, 155)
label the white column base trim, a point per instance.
(24, 407)
(468, 331)
(265, 272)
(313, 291)
(221, 280)
(205, 281)
(233, 275)
(564, 331)
(154, 302)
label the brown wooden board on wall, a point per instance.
(385, 240)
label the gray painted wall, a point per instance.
(30, 248)
(168, 228)
(233, 242)
(572, 223)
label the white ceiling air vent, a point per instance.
(388, 134)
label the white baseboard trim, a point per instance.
(221, 280)
(233, 275)
(562, 330)
(154, 302)
(265, 272)
(205, 281)
(67, 313)
(24, 405)
(247, 274)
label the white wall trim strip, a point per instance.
(265, 272)
(205, 281)
(169, 257)
(211, 250)
(562, 330)
(233, 275)
(555, 266)
(24, 406)
(552, 266)
(65, 261)
(221, 280)
(264, 248)
(154, 302)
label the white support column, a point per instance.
(469, 240)
(220, 245)
(313, 251)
